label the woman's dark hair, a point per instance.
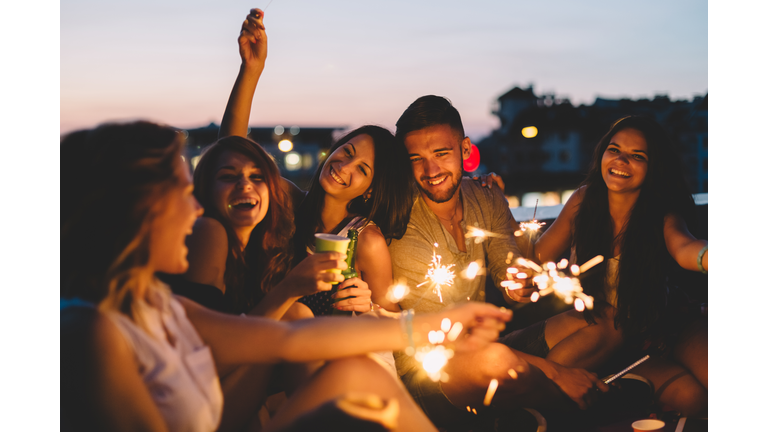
(645, 261)
(113, 181)
(267, 257)
(389, 206)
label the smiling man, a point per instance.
(445, 208)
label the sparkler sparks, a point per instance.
(491, 391)
(551, 278)
(397, 292)
(439, 275)
(480, 234)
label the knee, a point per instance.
(689, 398)
(502, 364)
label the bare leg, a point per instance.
(575, 343)
(355, 374)
(675, 386)
(691, 351)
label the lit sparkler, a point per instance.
(439, 275)
(551, 278)
(491, 391)
(397, 292)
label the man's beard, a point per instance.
(442, 196)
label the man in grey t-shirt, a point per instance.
(446, 208)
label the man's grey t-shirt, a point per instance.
(426, 237)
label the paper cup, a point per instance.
(648, 425)
(331, 243)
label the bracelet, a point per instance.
(406, 324)
(698, 259)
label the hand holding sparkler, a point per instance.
(253, 40)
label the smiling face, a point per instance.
(348, 171)
(239, 192)
(625, 161)
(167, 251)
(437, 155)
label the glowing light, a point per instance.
(279, 130)
(591, 263)
(474, 411)
(436, 337)
(512, 373)
(433, 359)
(295, 130)
(472, 270)
(530, 131)
(455, 331)
(512, 270)
(532, 225)
(578, 304)
(285, 145)
(439, 275)
(445, 325)
(292, 161)
(397, 292)
(480, 234)
(491, 391)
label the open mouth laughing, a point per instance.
(243, 204)
(336, 177)
(619, 173)
(437, 181)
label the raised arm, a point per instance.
(682, 245)
(557, 239)
(253, 53)
(207, 256)
(238, 340)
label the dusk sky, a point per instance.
(348, 63)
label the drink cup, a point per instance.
(648, 425)
(331, 243)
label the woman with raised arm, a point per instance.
(363, 185)
(634, 209)
(142, 358)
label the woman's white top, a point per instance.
(175, 364)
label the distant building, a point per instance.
(545, 144)
(303, 148)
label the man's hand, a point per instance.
(253, 40)
(488, 180)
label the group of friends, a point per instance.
(186, 300)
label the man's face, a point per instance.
(437, 154)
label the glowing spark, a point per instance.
(518, 233)
(512, 270)
(474, 411)
(575, 270)
(433, 359)
(480, 234)
(509, 257)
(591, 263)
(531, 226)
(511, 285)
(436, 337)
(535, 297)
(469, 409)
(512, 373)
(445, 325)
(455, 331)
(439, 275)
(472, 270)
(562, 264)
(491, 391)
(578, 304)
(397, 292)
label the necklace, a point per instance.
(450, 221)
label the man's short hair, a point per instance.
(428, 111)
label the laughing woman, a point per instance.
(634, 209)
(363, 185)
(136, 357)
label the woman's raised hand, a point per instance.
(356, 295)
(311, 276)
(253, 40)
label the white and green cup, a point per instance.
(331, 243)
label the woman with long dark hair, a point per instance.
(136, 357)
(634, 209)
(364, 184)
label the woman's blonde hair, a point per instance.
(113, 181)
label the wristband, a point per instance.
(698, 259)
